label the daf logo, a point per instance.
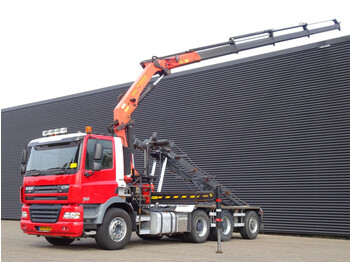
(65, 187)
(29, 188)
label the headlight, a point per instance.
(24, 214)
(71, 215)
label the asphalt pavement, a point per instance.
(17, 247)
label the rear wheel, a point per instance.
(59, 241)
(251, 225)
(227, 227)
(115, 230)
(200, 227)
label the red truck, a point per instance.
(86, 185)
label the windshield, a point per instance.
(62, 158)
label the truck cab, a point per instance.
(67, 179)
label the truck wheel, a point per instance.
(200, 227)
(59, 241)
(251, 225)
(227, 227)
(115, 230)
(149, 237)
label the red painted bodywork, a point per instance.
(95, 189)
(63, 227)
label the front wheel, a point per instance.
(200, 227)
(115, 230)
(59, 241)
(251, 225)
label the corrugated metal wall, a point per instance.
(275, 127)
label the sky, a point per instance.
(50, 48)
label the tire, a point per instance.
(251, 225)
(200, 227)
(149, 237)
(227, 227)
(115, 231)
(60, 241)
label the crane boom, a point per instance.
(163, 66)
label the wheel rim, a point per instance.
(117, 229)
(226, 225)
(201, 227)
(253, 225)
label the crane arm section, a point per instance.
(129, 102)
(163, 65)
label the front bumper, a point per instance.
(60, 229)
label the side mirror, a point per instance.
(23, 169)
(96, 166)
(24, 156)
(98, 151)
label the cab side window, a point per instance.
(107, 156)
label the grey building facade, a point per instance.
(275, 128)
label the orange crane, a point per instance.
(123, 123)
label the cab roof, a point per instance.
(57, 139)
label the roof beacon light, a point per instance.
(57, 131)
(88, 129)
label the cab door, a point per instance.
(99, 186)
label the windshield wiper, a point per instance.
(64, 168)
(34, 172)
(41, 172)
(53, 168)
(61, 172)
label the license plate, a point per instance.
(45, 229)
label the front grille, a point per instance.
(44, 213)
(47, 189)
(46, 197)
